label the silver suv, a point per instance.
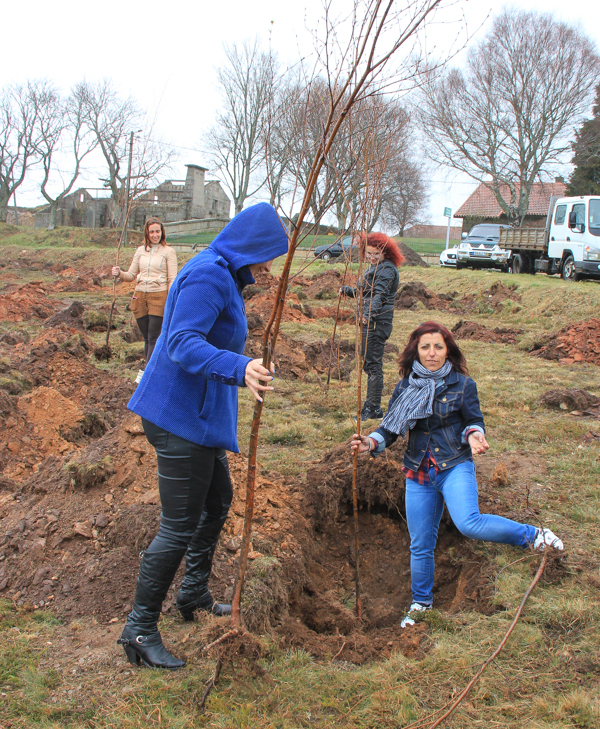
(480, 249)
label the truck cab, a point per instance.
(574, 239)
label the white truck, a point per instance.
(569, 244)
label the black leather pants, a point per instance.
(195, 495)
(374, 336)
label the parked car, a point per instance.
(345, 247)
(480, 248)
(448, 257)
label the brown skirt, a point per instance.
(152, 303)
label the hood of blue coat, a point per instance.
(255, 235)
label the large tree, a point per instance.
(112, 119)
(235, 144)
(585, 179)
(405, 196)
(20, 109)
(508, 116)
(63, 134)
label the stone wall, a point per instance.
(191, 227)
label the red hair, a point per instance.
(163, 234)
(386, 245)
(410, 353)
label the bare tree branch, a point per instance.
(509, 115)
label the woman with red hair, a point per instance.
(437, 403)
(379, 286)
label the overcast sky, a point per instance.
(165, 54)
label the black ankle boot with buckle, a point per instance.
(140, 637)
(147, 650)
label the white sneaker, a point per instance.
(416, 607)
(546, 538)
(138, 379)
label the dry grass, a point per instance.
(549, 673)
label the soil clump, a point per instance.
(579, 342)
(415, 294)
(480, 333)
(28, 302)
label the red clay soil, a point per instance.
(480, 333)
(578, 342)
(28, 302)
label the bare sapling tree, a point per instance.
(111, 119)
(236, 143)
(378, 29)
(20, 108)
(63, 133)
(509, 116)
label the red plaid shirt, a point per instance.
(422, 475)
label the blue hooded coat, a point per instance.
(189, 387)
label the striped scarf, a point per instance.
(416, 401)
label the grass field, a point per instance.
(55, 674)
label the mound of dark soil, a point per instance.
(570, 399)
(415, 293)
(412, 258)
(472, 330)
(71, 316)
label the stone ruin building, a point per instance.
(172, 201)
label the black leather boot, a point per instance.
(194, 593)
(140, 637)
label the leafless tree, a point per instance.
(510, 114)
(111, 119)
(20, 108)
(62, 132)
(236, 143)
(405, 195)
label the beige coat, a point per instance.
(155, 270)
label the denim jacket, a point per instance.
(455, 409)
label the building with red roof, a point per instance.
(482, 206)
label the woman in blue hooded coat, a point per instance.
(187, 400)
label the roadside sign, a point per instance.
(447, 212)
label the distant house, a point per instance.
(171, 201)
(482, 206)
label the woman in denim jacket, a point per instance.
(437, 402)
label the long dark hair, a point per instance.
(163, 234)
(386, 245)
(411, 353)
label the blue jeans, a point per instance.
(424, 505)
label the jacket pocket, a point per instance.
(446, 404)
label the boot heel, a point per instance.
(187, 615)
(132, 655)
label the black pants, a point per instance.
(374, 336)
(150, 327)
(192, 479)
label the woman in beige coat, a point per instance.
(154, 266)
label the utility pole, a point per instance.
(127, 186)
